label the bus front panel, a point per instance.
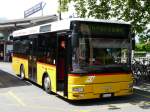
(97, 85)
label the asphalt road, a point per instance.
(23, 96)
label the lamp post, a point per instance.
(60, 10)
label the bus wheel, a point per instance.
(47, 84)
(22, 74)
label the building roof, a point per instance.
(26, 22)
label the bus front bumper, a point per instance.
(95, 91)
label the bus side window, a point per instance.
(51, 51)
(46, 48)
(41, 49)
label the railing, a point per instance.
(141, 70)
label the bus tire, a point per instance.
(47, 84)
(22, 73)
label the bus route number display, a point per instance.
(104, 29)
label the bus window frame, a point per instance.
(76, 32)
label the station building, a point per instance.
(8, 26)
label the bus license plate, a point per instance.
(106, 95)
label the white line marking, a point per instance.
(16, 98)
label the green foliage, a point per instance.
(142, 47)
(138, 47)
(135, 11)
(64, 5)
(80, 7)
(147, 48)
(99, 9)
(144, 38)
(144, 41)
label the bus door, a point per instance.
(61, 65)
(32, 59)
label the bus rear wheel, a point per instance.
(22, 74)
(47, 84)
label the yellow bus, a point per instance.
(76, 58)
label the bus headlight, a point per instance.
(79, 89)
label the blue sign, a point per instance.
(34, 9)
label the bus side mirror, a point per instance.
(133, 40)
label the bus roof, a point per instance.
(59, 26)
(100, 20)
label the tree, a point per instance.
(135, 11)
(142, 47)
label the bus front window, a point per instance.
(93, 54)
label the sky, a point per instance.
(14, 9)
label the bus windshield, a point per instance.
(100, 54)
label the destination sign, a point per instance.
(107, 29)
(33, 10)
